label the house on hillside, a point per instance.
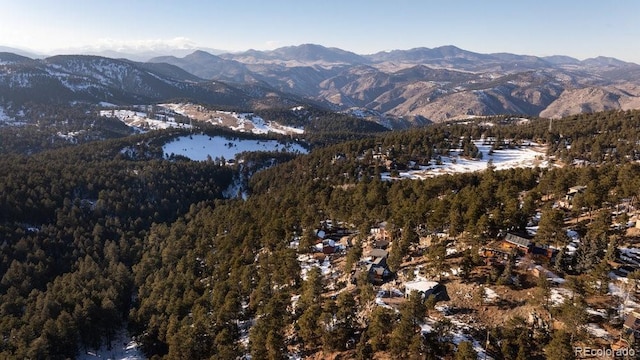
(430, 239)
(525, 246)
(543, 250)
(500, 251)
(631, 327)
(567, 202)
(521, 244)
(381, 243)
(494, 254)
(376, 266)
(328, 246)
(380, 232)
(426, 288)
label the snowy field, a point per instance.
(200, 147)
(141, 121)
(122, 348)
(526, 156)
(242, 122)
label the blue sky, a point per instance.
(580, 28)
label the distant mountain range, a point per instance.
(437, 84)
(67, 79)
(417, 85)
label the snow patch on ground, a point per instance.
(597, 331)
(3, 115)
(600, 312)
(307, 262)
(201, 147)
(560, 295)
(631, 255)
(617, 289)
(72, 136)
(459, 333)
(141, 121)
(490, 295)
(241, 122)
(522, 157)
(122, 348)
(5, 119)
(257, 125)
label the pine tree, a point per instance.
(379, 329)
(308, 328)
(466, 351)
(437, 258)
(560, 347)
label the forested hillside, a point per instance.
(93, 239)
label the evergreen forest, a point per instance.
(94, 239)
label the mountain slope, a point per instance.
(431, 84)
(297, 55)
(209, 66)
(81, 78)
(439, 83)
(593, 99)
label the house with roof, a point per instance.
(380, 232)
(376, 266)
(567, 202)
(631, 326)
(500, 251)
(381, 243)
(328, 246)
(494, 254)
(512, 241)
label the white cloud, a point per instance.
(272, 44)
(148, 44)
(138, 46)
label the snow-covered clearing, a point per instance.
(257, 125)
(164, 117)
(242, 122)
(522, 157)
(141, 121)
(122, 348)
(201, 147)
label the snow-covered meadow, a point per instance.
(165, 117)
(141, 121)
(122, 348)
(237, 121)
(521, 157)
(202, 147)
